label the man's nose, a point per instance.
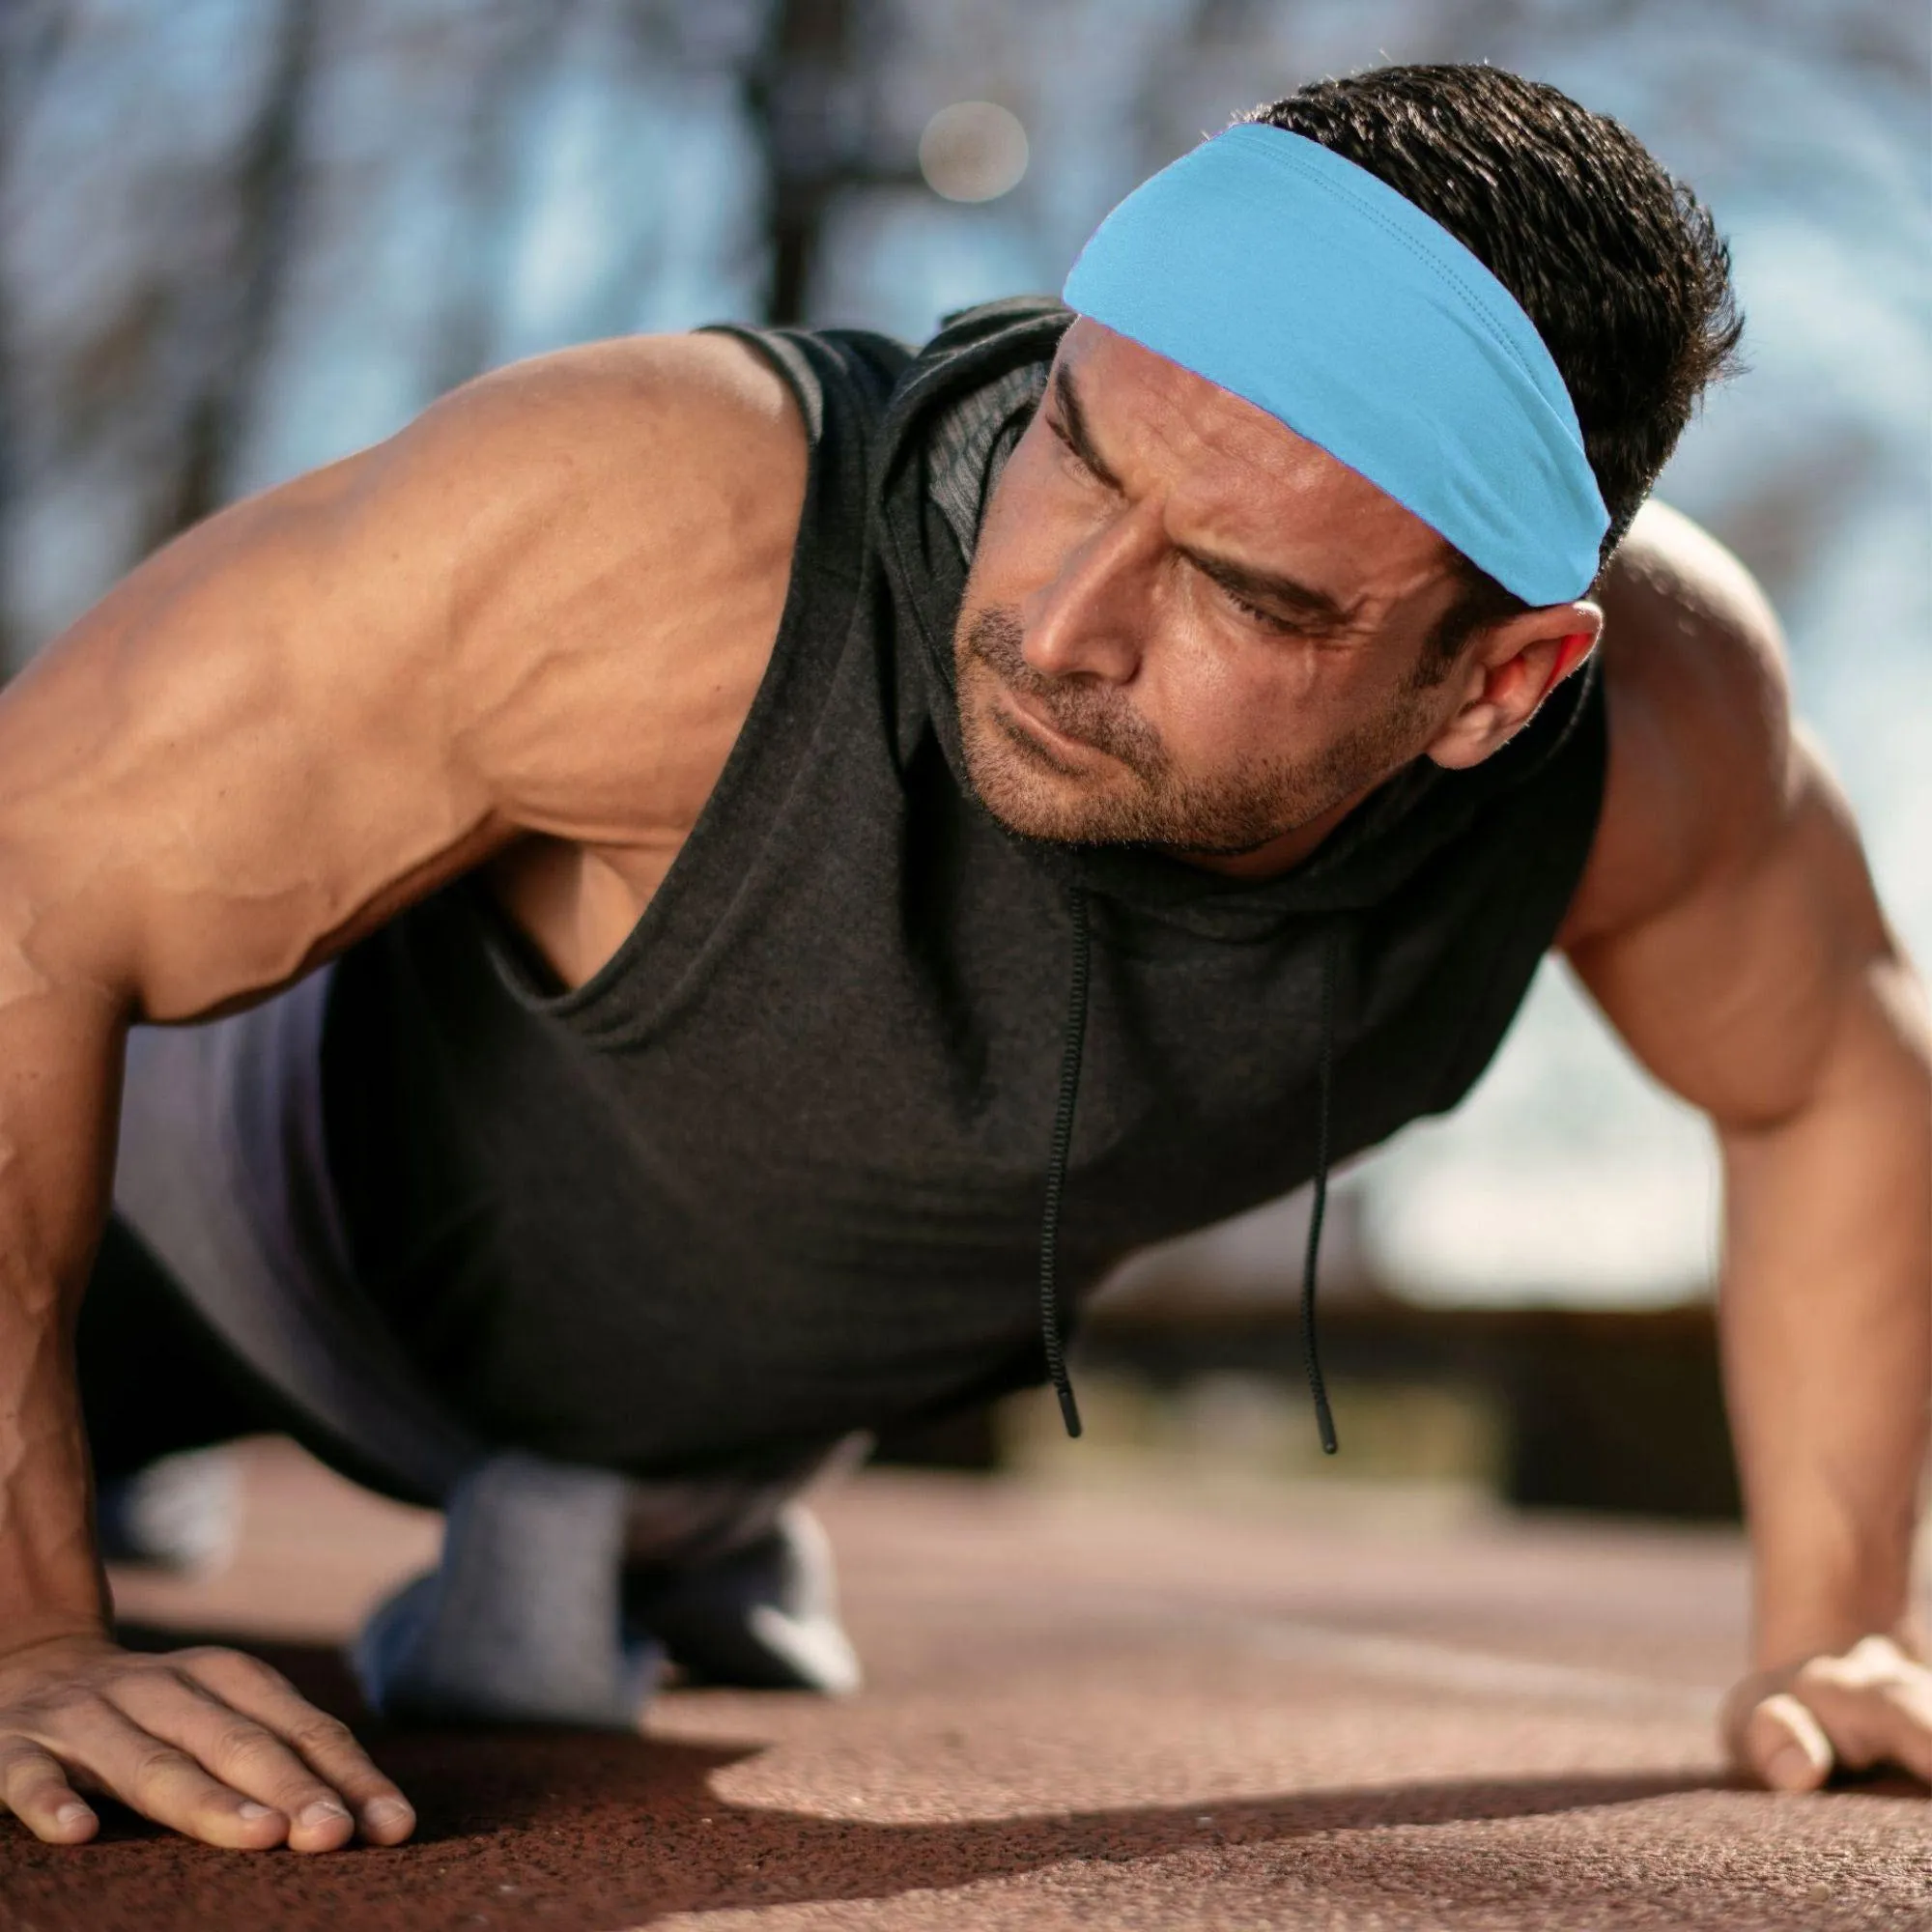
(1091, 617)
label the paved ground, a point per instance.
(1112, 1708)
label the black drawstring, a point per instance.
(1323, 1419)
(1076, 1038)
(1056, 1168)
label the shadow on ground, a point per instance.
(597, 1831)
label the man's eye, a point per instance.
(1266, 618)
(1066, 441)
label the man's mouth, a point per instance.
(1042, 726)
(1028, 721)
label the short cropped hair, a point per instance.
(1613, 259)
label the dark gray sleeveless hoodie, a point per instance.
(778, 1170)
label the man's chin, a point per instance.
(1034, 797)
(1036, 808)
(1032, 803)
(1023, 811)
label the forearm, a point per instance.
(60, 1065)
(1826, 1314)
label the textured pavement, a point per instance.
(1122, 1707)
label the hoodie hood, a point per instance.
(955, 414)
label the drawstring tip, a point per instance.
(1068, 1413)
(1326, 1424)
(1052, 1339)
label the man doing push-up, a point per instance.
(723, 881)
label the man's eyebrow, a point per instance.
(1257, 586)
(1267, 587)
(1072, 429)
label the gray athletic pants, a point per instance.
(561, 1589)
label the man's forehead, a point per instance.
(1226, 462)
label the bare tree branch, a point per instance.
(808, 91)
(515, 36)
(797, 86)
(31, 33)
(268, 195)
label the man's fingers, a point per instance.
(1784, 1745)
(209, 1742)
(328, 1747)
(33, 1787)
(241, 1753)
(156, 1778)
(1872, 1715)
(1905, 1734)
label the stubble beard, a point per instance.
(1143, 800)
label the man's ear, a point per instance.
(1511, 670)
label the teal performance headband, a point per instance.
(1296, 279)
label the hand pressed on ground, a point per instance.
(213, 1742)
(1869, 1705)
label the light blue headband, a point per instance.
(1295, 278)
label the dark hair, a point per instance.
(1615, 260)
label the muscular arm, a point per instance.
(1728, 927)
(525, 630)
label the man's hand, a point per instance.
(214, 1744)
(1872, 1704)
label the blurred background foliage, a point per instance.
(240, 238)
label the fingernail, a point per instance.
(323, 1812)
(250, 1811)
(387, 1811)
(71, 1815)
(1789, 1767)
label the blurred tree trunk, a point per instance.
(267, 192)
(517, 41)
(29, 35)
(800, 89)
(810, 90)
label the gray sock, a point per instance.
(537, 1612)
(520, 1622)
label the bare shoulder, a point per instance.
(1726, 924)
(1703, 761)
(621, 519)
(632, 513)
(676, 425)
